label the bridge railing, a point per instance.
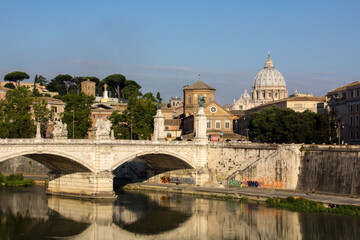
(89, 141)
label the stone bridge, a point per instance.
(85, 166)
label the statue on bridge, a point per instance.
(60, 130)
(103, 129)
(201, 100)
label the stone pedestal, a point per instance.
(200, 119)
(83, 184)
(38, 134)
(159, 127)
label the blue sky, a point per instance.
(164, 45)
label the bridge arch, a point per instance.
(54, 160)
(158, 159)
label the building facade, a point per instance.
(219, 120)
(88, 87)
(345, 102)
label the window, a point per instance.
(356, 121)
(357, 92)
(54, 109)
(173, 103)
(351, 121)
(357, 107)
(351, 94)
(227, 124)
(189, 99)
(351, 135)
(351, 108)
(357, 135)
(218, 124)
(275, 94)
(210, 99)
(269, 94)
(208, 124)
(213, 109)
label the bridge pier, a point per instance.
(82, 184)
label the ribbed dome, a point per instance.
(269, 76)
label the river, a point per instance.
(28, 213)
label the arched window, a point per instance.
(210, 99)
(189, 99)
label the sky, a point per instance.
(164, 45)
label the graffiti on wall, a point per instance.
(165, 179)
(220, 178)
(267, 182)
(236, 183)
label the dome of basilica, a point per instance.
(269, 76)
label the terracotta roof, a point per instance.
(200, 85)
(172, 122)
(49, 99)
(238, 112)
(344, 87)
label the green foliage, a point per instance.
(77, 114)
(304, 205)
(121, 124)
(137, 121)
(287, 126)
(15, 115)
(40, 80)
(20, 183)
(16, 180)
(244, 199)
(117, 83)
(2, 178)
(61, 84)
(41, 114)
(14, 177)
(16, 76)
(10, 85)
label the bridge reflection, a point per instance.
(30, 214)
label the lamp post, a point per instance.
(247, 134)
(131, 118)
(338, 125)
(73, 123)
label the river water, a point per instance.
(27, 213)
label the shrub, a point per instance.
(2, 178)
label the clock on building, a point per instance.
(213, 109)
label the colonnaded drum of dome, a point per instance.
(269, 85)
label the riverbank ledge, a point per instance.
(254, 195)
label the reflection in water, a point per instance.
(25, 214)
(30, 214)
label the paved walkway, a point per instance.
(253, 193)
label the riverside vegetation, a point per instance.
(16, 180)
(304, 205)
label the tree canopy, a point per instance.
(278, 125)
(117, 82)
(16, 77)
(16, 119)
(137, 121)
(77, 114)
(61, 84)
